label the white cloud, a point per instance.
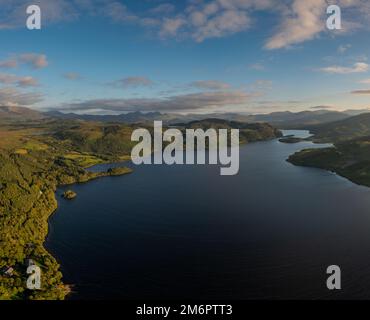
(13, 97)
(10, 63)
(213, 19)
(185, 102)
(35, 60)
(13, 12)
(27, 82)
(225, 23)
(6, 78)
(117, 11)
(210, 85)
(301, 22)
(304, 20)
(358, 67)
(171, 26)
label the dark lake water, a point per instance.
(187, 232)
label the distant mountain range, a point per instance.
(282, 120)
(248, 132)
(20, 113)
(132, 117)
(297, 120)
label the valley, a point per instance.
(39, 153)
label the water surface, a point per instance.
(187, 232)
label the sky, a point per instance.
(188, 56)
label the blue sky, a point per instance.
(190, 56)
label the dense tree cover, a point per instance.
(248, 132)
(343, 130)
(350, 156)
(350, 159)
(33, 163)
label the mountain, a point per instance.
(350, 157)
(283, 120)
(343, 130)
(356, 112)
(248, 132)
(132, 117)
(19, 113)
(298, 120)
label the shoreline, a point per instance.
(309, 158)
(102, 174)
(97, 175)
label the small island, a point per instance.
(290, 139)
(69, 195)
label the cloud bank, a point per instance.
(13, 97)
(19, 81)
(185, 102)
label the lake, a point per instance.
(178, 232)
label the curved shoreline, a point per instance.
(48, 249)
(71, 292)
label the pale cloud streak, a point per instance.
(35, 60)
(358, 67)
(361, 92)
(210, 85)
(19, 81)
(185, 102)
(132, 82)
(10, 63)
(13, 97)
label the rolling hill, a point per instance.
(19, 113)
(282, 120)
(343, 130)
(350, 156)
(248, 132)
